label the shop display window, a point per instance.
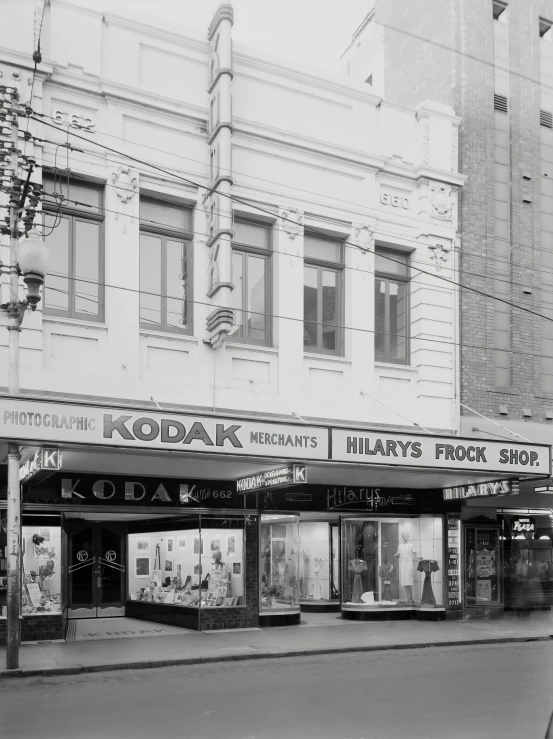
(200, 567)
(41, 576)
(528, 557)
(482, 566)
(318, 561)
(392, 562)
(279, 565)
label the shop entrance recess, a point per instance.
(483, 567)
(97, 569)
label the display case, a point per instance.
(392, 563)
(198, 567)
(41, 574)
(279, 563)
(319, 557)
(483, 567)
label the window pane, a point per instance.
(87, 249)
(395, 265)
(150, 279)
(251, 234)
(380, 320)
(330, 310)
(176, 285)
(87, 195)
(328, 250)
(398, 321)
(156, 213)
(310, 278)
(236, 296)
(256, 297)
(56, 293)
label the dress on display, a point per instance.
(386, 572)
(317, 567)
(428, 566)
(405, 552)
(357, 566)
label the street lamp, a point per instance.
(28, 257)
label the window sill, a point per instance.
(391, 365)
(326, 357)
(168, 335)
(252, 347)
(62, 320)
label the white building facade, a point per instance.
(235, 238)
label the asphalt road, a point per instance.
(470, 692)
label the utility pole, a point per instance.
(15, 310)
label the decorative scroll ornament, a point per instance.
(439, 255)
(363, 237)
(292, 222)
(125, 184)
(441, 201)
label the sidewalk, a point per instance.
(323, 635)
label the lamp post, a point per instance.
(28, 257)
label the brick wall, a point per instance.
(416, 69)
(37, 628)
(245, 616)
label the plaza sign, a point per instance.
(292, 474)
(40, 466)
(482, 490)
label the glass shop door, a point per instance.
(482, 566)
(97, 567)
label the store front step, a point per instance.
(88, 629)
(320, 606)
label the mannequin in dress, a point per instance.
(406, 554)
(317, 567)
(357, 566)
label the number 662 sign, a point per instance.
(397, 201)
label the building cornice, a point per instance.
(173, 37)
(424, 171)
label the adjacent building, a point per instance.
(248, 349)
(492, 62)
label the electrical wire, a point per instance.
(342, 327)
(264, 210)
(186, 234)
(510, 263)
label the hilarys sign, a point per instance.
(482, 490)
(42, 421)
(417, 450)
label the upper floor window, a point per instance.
(391, 307)
(74, 233)
(323, 294)
(251, 277)
(165, 266)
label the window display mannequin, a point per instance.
(357, 566)
(428, 566)
(406, 554)
(385, 572)
(317, 567)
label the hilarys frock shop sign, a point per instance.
(438, 451)
(50, 423)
